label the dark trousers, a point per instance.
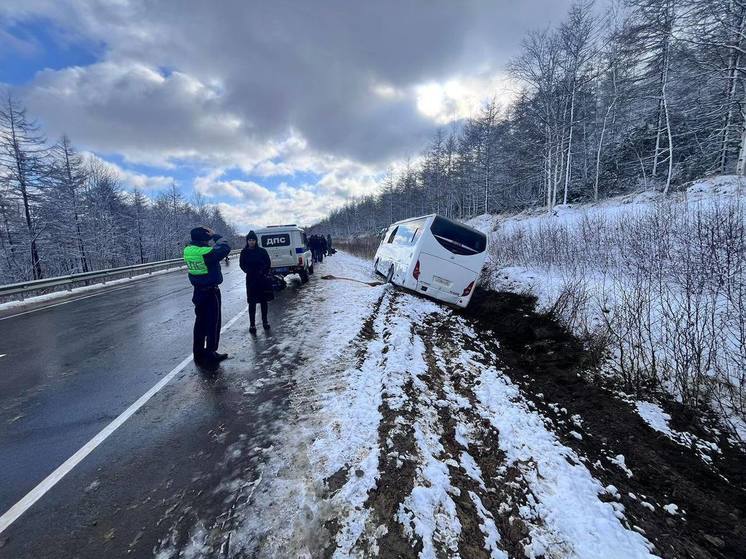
(207, 303)
(252, 313)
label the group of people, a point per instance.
(202, 256)
(320, 246)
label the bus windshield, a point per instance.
(456, 238)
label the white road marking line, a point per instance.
(66, 467)
(3, 354)
(68, 301)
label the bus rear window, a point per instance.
(457, 239)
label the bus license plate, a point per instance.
(441, 281)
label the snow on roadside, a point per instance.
(658, 419)
(429, 511)
(563, 512)
(567, 493)
(316, 484)
(600, 297)
(331, 425)
(704, 191)
(654, 416)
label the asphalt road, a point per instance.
(68, 370)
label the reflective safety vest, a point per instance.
(194, 256)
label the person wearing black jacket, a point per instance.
(203, 264)
(256, 264)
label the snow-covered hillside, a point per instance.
(656, 282)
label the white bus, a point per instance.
(433, 255)
(288, 250)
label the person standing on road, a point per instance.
(203, 264)
(256, 265)
(329, 247)
(313, 244)
(318, 248)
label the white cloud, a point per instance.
(272, 88)
(131, 179)
(252, 205)
(461, 97)
(211, 186)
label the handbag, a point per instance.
(267, 285)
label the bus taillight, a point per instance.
(468, 289)
(416, 272)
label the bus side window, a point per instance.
(393, 234)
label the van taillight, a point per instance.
(468, 289)
(300, 261)
(416, 272)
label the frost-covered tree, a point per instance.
(23, 154)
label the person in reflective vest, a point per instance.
(203, 266)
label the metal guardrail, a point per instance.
(26, 287)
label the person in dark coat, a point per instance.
(203, 265)
(256, 265)
(313, 244)
(318, 248)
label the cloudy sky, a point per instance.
(277, 110)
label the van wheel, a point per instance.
(390, 275)
(303, 276)
(310, 270)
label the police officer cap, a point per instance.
(201, 234)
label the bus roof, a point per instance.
(457, 223)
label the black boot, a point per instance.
(252, 329)
(266, 325)
(206, 361)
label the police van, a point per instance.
(288, 250)
(434, 256)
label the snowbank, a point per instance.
(660, 279)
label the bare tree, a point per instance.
(22, 163)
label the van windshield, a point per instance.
(457, 239)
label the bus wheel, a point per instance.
(390, 275)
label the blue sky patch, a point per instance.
(37, 44)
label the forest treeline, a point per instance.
(641, 94)
(63, 213)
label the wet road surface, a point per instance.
(70, 369)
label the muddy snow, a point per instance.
(410, 429)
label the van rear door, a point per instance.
(458, 243)
(451, 256)
(443, 274)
